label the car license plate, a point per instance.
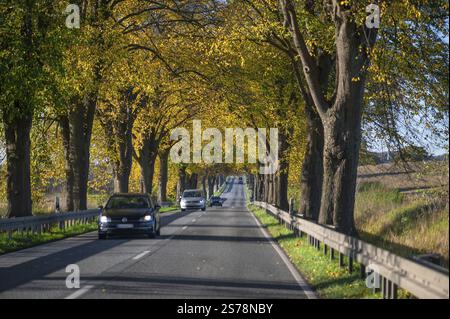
(125, 226)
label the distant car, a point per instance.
(241, 181)
(215, 201)
(192, 199)
(129, 214)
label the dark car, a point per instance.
(129, 214)
(215, 201)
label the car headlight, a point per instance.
(183, 201)
(147, 218)
(202, 201)
(104, 219)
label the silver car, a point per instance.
(192, 199)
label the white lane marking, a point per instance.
(185, 227)
(79, 292)
(300, 281)
(141, 255)
(194, 220)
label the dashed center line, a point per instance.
(141, 255)
(185, 227)
(79, 292)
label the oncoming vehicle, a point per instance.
(192, 199)
(215, 201)
(129, 214)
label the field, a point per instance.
(404, 208)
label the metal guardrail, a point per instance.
(39, 224)
(394, 271)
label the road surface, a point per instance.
(220, 253)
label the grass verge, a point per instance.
(168, 209)
(324, 275)
(25, 240)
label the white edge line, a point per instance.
(141, 255)
(300, 281)
(79, 292)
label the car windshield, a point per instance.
(192, 194)
(123, 202)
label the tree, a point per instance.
(29, 49)
(85, 61)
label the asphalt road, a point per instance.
(220, 253)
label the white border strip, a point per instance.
(79, 292)
(141, 255)
(310, 294)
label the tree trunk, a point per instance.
(181, 185)
(18, 189)
(342, 128)
(122, 139)
(123, 164)
(204, 185)
(192, 181)
(260, 190)
(211, 182)
(147, 164)
(80, 121)
(163, 175)
(65, 132)
(341, 149)
(282, 178)
(312, 168)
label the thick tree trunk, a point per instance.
(260, 191)
(124, 162)
(211, 182)
(147, 165)
(341, 149)
(18, 183)
(192, 181)
(312, 168)
(80, 138)
(282, 178)
(181, 186)
(342, 127)
(68, 187)
(163, 175)
(76, 131)
(204, 185)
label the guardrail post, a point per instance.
(325, 249)
(350, 264)
(332, 253)
(10, 235)
(362, 271)
(383, 288)
(394, 291)
(341, 260)
(318, 244)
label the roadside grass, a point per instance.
(25, 240)
(168, 209)
(405, 225)
(323, 274)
